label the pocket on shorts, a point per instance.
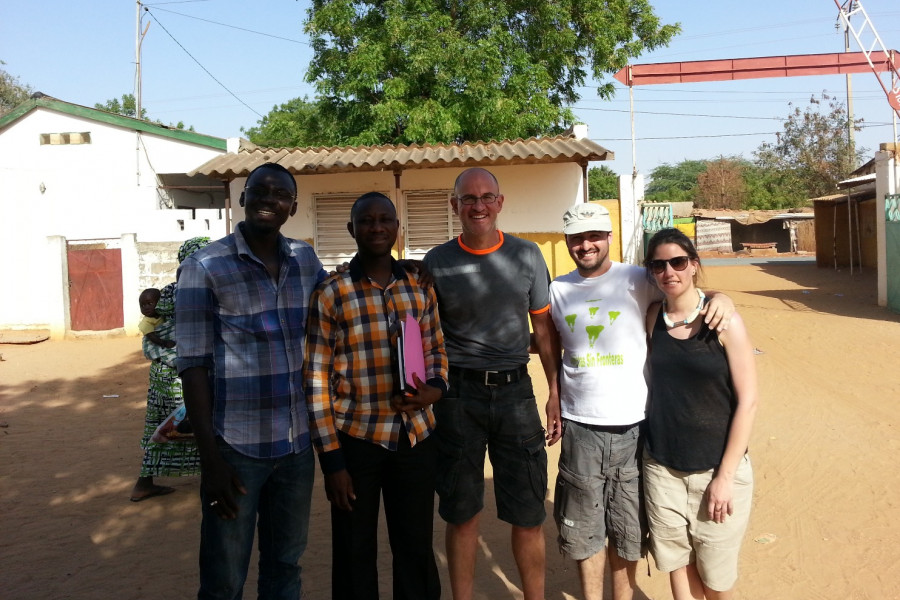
(449, 444)
(574, 508)
(630, 523)
(744, 473)
(536, 457)
(449, 463)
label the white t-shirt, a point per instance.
(601, 325)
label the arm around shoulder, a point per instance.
(718, 311)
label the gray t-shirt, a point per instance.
(484, 297)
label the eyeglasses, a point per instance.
(679, 263)
(258, 192)
(471, 199)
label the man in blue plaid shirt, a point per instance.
(241, 307)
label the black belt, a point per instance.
(617, 429)
(491, 377)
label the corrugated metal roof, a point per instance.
(853, 182)
(861, 195)
(318, 161)
(750, 217)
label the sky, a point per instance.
(220, 65)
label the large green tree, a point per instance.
(726, 182)
(675, 183)
(603, 183)
(12, 93)
(769, 189)
(811, 155)
(402, 71)
(294, 123)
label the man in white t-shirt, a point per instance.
(599, 313)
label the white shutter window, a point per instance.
(429, 221)
(334, 244)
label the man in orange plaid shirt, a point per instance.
(373, 435)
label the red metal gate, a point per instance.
(95, 287)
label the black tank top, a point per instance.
(692, 399)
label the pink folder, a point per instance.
(412, 357)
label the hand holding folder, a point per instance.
(415, 393)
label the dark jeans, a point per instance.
(405, 478)
(279, 491)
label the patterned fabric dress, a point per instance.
(173, 458)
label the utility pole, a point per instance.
(138, 40)
(851, 134)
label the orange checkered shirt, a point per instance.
(350, 366)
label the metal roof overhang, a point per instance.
(854, 182)
(865, 195)
(352, 159)
(190, 183)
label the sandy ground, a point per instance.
(826, 515)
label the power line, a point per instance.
(672, 114)
(269, 35)
(720, 135)
(689, 137)
(224, 87)
(295, 88)
(792, 24)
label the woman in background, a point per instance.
(698, 479)
(172, 458)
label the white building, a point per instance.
(90, 203)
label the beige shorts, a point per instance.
(681, 532)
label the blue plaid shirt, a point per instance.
(249, 331)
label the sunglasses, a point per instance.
(679, 263)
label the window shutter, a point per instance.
(429, 221)
(333, 242)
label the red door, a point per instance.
(95, 287)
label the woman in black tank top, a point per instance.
(703, 398)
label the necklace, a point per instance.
(670, 324)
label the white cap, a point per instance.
(586, 217)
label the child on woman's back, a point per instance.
(151, 320)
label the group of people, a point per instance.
(280, 361)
